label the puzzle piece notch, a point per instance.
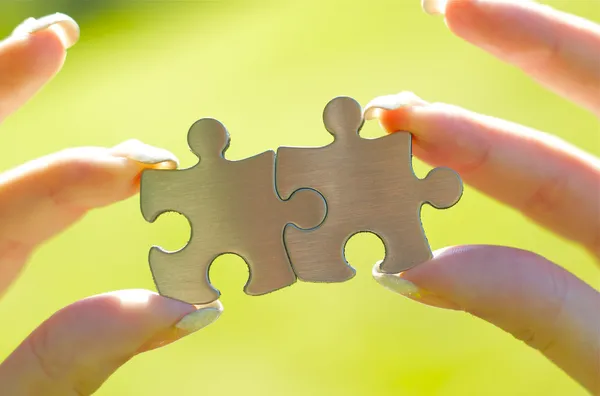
(369, 186)
(232, 207)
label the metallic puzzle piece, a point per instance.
(232, 207)
(369, 186)
(351, 185)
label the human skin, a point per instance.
(548, 180)
(79, 347)
(525, 294)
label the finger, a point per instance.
(547, 179)
(43, 197)
(33, 54)
(79, 347)
(559, 50)
(524, 294)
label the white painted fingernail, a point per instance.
(146, 154)
(192, 322)
(395, 283)
(200, 318)
(404, 287)
(434, 7)
(374, 108)
(64, 26)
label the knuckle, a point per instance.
(551, 309)
(526, 335)
(54, 365)
(13, 250)
(541, 58)
(62, 368)
(78, 166)
(534, 339)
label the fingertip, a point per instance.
(61, 25)
(393, 111)
(29, 61)
(434, 7)
(66, 28)
(394, 282)
(193, 321)
(199, 319)
(37, 47)
(81, 345)
(465, 17)
(129, 319)
(487, 279)
(148, 157)
(451, 268)
(136, 308)
(33, 54)
(524, 294)
(399, 284)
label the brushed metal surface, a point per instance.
(369, 186)
(232, 207)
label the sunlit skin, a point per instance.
(548, 180)
(556, 185)
(78, 348)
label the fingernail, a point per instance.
(395, 283)
(187, 325)
(434, 7)
(200, 318)
(146, 154)
(375, 107)
(404, 287)
(64, 26)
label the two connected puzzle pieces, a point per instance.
(289, 214)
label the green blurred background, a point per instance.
(149, 69)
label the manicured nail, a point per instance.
(404, 287)
(200, 318)
(64, 26)
(434, 7)
(395, 283)
(146, 154)
(375, 107)
(187, 325)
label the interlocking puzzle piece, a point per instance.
(369, 186)
(232, 207)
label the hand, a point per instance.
(79, 347)
(548, 180)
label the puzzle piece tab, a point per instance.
(232, 207)
(369, 186)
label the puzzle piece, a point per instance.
(232, 207)
(369, 186)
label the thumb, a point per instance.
(77, 349)
(520, 292)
